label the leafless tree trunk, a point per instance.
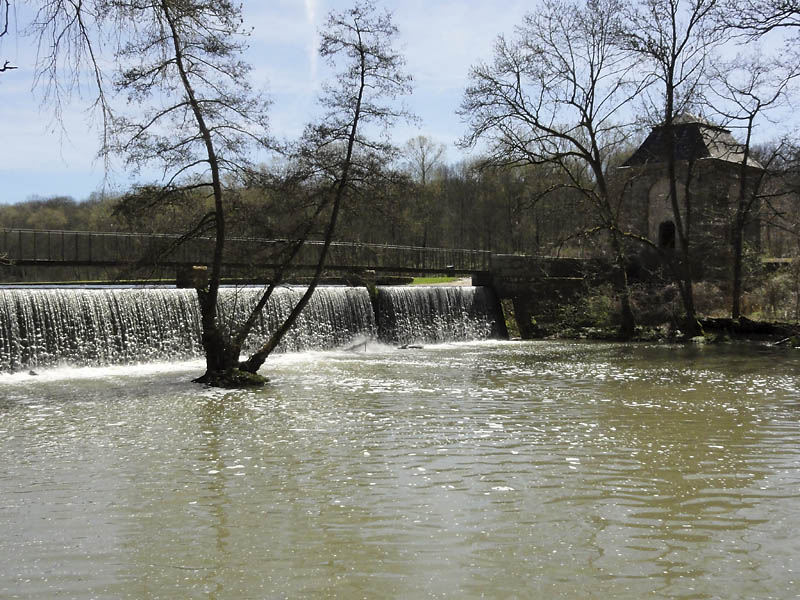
(558, 94)
(373, 74)
(677, 39)
(743, 92)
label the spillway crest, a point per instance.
(47, 327)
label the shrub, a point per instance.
(599, 308)
(602, 307)
(710, 300)
(777, 297)
(655, 305)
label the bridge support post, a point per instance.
(536, 286)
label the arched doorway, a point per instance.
(666, 235)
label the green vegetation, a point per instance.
(235, 378)
(776, 296)
(433, 280)
(510, 318)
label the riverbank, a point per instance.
(715, 330)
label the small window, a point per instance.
(666, 235)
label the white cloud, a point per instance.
(311, 17)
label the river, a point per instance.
(468, 470)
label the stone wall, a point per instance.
(713, 188)
(538, 286)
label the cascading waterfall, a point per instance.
(47, 327)
(94, 327)
(334, 316)
(408, 315)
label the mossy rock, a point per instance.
(233, 378)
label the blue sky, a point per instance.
(440, 39)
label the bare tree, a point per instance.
(5, 11)
(758, 17)
(677, 39)
(741, 93)
(423, 156)
(195, 116)
(338, 150)
(558, 94)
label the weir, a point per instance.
(92, 327)
(440, 314)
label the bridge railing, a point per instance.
(29, 246)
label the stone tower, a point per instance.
(709, 168)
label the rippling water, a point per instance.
(500, 470)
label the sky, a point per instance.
(441, 39)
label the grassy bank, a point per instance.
(433, 280)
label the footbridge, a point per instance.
(31, 249)
(31, 256)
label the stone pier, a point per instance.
(536, 285)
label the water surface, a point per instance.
(499, 470)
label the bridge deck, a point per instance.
(28, 247)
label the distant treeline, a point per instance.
(461, 205)
(526, 210)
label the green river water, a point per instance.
(470, 470)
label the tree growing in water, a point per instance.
(201, 125)
(336, 151)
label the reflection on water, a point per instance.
(551, 470)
